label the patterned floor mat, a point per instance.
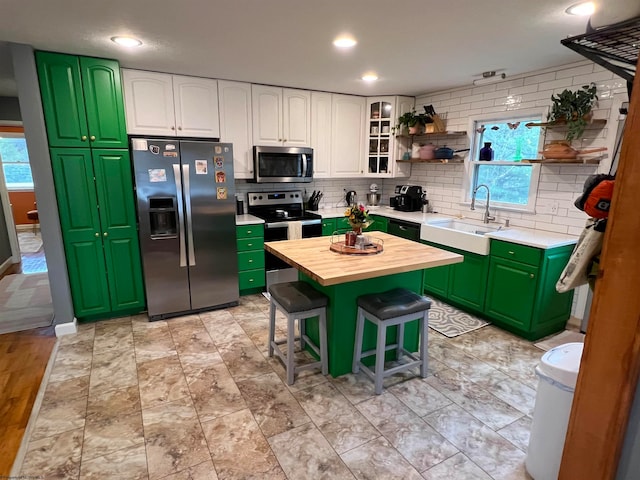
(452, 322)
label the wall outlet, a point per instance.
(554, 208)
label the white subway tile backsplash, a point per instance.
(535, 79)
(518, 82)
(484, 89)
(597, 77)
(573, 72)
(523, 90)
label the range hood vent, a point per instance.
(614, 47)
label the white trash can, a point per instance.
(557, 372)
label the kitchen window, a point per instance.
(513, 183)
(15, 162)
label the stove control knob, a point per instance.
(260, 197)
(255, 198)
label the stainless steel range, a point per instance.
(279, 209)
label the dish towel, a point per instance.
(294, 232)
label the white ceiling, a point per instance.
(415, 46)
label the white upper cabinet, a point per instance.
(347, 135)
(380, 142)
(321, 133)
(173, 105)
(196, 106)
(148, 101)
(235, 124)
(281, 116)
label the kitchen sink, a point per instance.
(464, 235)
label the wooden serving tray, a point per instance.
(371, 249)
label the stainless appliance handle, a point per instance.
(286, 224)
(176, 174)
(304, 165)
(187, 194)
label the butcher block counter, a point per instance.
(343, 278)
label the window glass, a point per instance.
(510, 141)
(15, 163)
(508, 183)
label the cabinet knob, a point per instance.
(248, 232)
(179, 128)
(531, 275)
(250, 280)
(97, 234)
(92, 138)
(173, 127)
(511, 253)
(284, 139)
(83, 138)
(105, 233)
(249, 244)
(250, 261)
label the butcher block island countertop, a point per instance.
(313, 257)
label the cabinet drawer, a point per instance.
(250, 231)
(328, 226)
(250, 260)
(519, 253)
(251, 279)
(245, 244)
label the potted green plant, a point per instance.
(414, 122)
(573, 109)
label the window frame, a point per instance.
(8, 132)
(470, 166)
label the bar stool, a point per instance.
(298, 301)
(393, 307)
(33, 216)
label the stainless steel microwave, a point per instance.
(282, 164)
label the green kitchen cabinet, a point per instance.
(82, 101)
(328, 226)
(251, 272)
(462, 284)
(521, 296)
(380, 224)
(98, 219)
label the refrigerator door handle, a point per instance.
(176, 174)
(187, 194)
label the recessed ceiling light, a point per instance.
(582, 8)
(126, 41)
(345, 41)
(369, 77)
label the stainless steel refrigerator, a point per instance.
(186, 212)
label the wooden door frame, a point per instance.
(9, 127)
(610, 362)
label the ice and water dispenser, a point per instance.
(163, 217)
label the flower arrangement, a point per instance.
(358, 217)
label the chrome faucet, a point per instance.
(486, 216)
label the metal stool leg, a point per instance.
(272, 327)
(380, 351)
(357, 349)
(291, 338)
(324, 356)
(400, 339)
(424, 339)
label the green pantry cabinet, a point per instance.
(84, 114)
(514, 286)
(250, 242)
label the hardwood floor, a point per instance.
(23, 360)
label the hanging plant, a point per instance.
(573, 109)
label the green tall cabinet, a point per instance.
(84, 113)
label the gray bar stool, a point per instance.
(393, 307)
(298, 300)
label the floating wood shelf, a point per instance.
(596, 122)
(433, 134)
(455, 160)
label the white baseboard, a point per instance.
(5, 266)
(67, 328)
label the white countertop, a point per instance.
(523, 236)
(247, 219)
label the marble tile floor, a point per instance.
(197, 397)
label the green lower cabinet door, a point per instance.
(512, 294)
(328, 226)
(77, 205)
(379, 224)
(553, 309)
(468, 281)
(436, 280)
(112, 168)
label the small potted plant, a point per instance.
(414, 122)
(573, 109)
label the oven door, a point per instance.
(282, 164)
(278, 271)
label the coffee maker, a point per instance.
(408, 198)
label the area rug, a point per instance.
(25, 302)
(451, 322)
(568, 336)
(29, 242)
